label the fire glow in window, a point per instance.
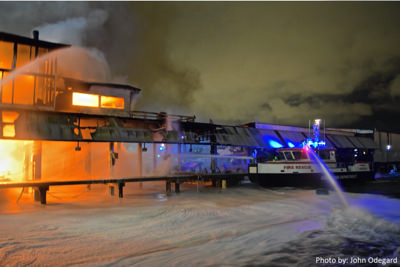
(86, 100)
(6, 54)
(112, 102)
(9, 117)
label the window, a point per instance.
(23, 55)
(281, 156)
(9, 131)
(6, 55)
(23, 89)
(9, 117)
(6, 91)
(288, 155)
(300, 154)
(112, 102)
(324, 154)
(86, 100)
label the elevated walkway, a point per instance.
(44, 186)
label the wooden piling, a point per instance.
(177, 187)
(168, 187)
(42, 194)
(121, 189)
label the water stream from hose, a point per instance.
(327, 174)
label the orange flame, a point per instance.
(13, 159)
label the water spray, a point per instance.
(326, 173)
(315, 143)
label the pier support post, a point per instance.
(177, 187)
(179, 157)
(140, 162)
(113, 158)
(223, 184)
(213, 163)
(154, 157)
(121, 189)
(111, 188)
(37, 167)
(42, 193)
(168, 187)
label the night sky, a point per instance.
(237, 62)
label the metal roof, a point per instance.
(296, 137)
(340, 141)
(368, 142)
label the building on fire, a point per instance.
(60, 127)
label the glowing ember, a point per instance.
(86, 100)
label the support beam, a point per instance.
(120, 189)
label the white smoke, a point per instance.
(73, 30)
(66, 31)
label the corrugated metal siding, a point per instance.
(340, 141)
(239, 136)
(296, 137)
(257, 136)
(383, 155)
(267, 134)
(368, 143)
(356, 142)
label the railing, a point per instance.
(136, 114)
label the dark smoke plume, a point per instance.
(236, 62)
(130, 37)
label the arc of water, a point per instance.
(68, 53)
(328, 175)
(30, 66)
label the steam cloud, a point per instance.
(238, 62)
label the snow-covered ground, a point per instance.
(241, 226)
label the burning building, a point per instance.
(59, 123)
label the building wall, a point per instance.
(383, 154)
